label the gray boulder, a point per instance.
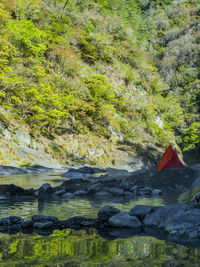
(140, 211)
(167, 217)
(123, 219)
(134, 189)
(156, 192)
(11, 224)
(12, 220)
(103, 194)
(187, 220)
(44, 218)
(27, 223)
(80, 193)
(116, 191)
(43, 225)
(80, 173)
(128, 194)
(94, 188)
(125, 186)
(179, 221)
(106, 212)
(45, 188)
(145, 191)
(59, 192)
(90, 170)
(14, 190)
(68, 196)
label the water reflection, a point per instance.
(82, 248)
(32, 179)
(87, 248)
(65, 208)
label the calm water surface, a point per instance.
(60, 208)
(82, 248)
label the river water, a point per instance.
(86, 247)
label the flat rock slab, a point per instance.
(6, 170)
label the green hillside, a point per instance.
(123, 71)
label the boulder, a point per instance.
(128, 194)
(12, 220)
(90, 170)
(11, 225)
(107, 211)
(125, 186)
(76, 174)
(134, 189)
(83, 172)
(43, 225)
(68, 196)
(145, 191)
(59, 192)
(44, 218)
(45, 189)
(27, 223)
(187, 220)
(140, 211)
(163, 217)
(116, 191)
(123, 219)
(80, 193)
(94, 188)
(156, 192)
(14, 190)
(103, 194)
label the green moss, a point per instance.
(192, 195)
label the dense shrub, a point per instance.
(110, 67)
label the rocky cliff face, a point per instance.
(19, 148)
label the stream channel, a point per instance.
(86, 247)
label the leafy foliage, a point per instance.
(107, 67)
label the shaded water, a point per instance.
(83, 248)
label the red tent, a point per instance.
(170, 160)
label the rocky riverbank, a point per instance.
(176, 222)
(97, 183)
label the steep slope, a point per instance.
(85, 68)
